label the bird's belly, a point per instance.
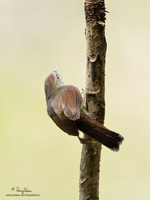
(65, 124)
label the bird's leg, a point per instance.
(85, 140)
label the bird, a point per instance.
(65, 107)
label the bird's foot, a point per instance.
(85, 140)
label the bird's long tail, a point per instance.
(100, 133)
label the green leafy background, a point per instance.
(36, 35)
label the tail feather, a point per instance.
(99, 132)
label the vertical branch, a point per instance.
(95, 102)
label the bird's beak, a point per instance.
(55, 69)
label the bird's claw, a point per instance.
(85, 140)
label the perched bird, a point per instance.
(64, 106)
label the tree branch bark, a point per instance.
(95, 101)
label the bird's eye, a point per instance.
(57, 76)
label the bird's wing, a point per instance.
(69, 103)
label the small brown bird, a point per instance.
(64, 106)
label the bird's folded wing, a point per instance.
(69, 103)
